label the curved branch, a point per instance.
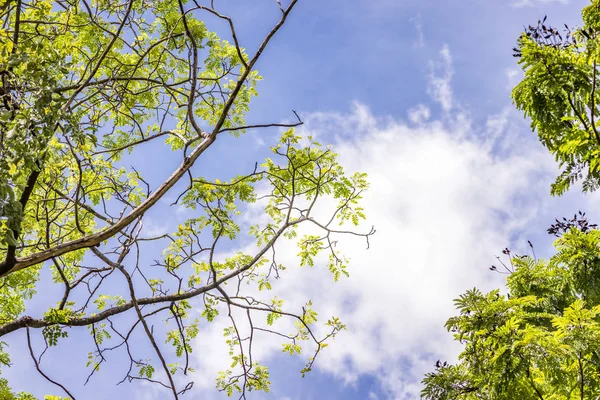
(102, 57)
(95, 239)
(148, 332)
(83, 321)
(37, 366)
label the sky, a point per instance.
(417, 94)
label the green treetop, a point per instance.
(82, 85)
(540, 337)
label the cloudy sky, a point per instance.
(417, 94)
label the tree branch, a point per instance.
(37, 366)
(94, 239)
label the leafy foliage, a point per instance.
(82, 87)
(539, 340)
(559, 93)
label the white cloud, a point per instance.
(443, 205)
(420, 40)
(154, 227)
(445, 198)
(512, 77)
(440, 78)
(419, 114)
(149, 391)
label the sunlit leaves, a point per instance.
(540, 339)
(559, 94)
(16, 289)
(81, 91)
(146, 370)
(53, 333)
(102, 301)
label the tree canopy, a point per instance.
(539, 337)
(83, 86)
(559, 94)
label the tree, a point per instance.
(82, 86)
(541, 339)
(559, 93)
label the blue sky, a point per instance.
(417, 94)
